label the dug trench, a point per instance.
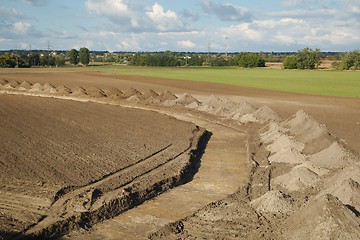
(112, 203)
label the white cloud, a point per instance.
(355, 9)
(186, 44)
(21, 27)
(107, 7)
(164, 20)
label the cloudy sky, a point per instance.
(181, 25)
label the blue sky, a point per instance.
(181, 25)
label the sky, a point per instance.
(181, 25)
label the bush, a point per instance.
(251, 60)
(304, 59)
(291, 62)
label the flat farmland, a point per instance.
(326, 82)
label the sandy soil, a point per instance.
(301, 156)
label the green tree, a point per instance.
(84, 56)
(8, 61)
(291, 62)
(251, 60)
(308, 58)
(73, 56)
(59, 60)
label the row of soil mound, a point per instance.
(311, 181)
(239, 111)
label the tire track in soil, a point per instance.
(223, 170)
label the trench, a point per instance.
(223, 170)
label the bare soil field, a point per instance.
(300, 154)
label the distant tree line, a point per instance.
(172, 59)
(44, 59)
(303, 59)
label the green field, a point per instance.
(319, 82)
(328, 83)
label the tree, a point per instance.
(8, 61)
(73, 56)
(59, 60)
(84, 56)
(251, 60)
(291, 62)
(304, 59)
(308, 58)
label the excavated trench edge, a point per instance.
(121, 204)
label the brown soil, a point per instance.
(298, 147)
(63, 159)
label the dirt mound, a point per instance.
(131, 92)
(297, 179)
(11, 84)
(63, 90)
(271, 132)
(324, 217)
(167, 95)
(352, 171)
(225, 107)
(265, 114)
(334, 156)
(96, 92)
(273, 202)
(134, 99)
(79, 92)
(25, 85)
(186, 99)
(283, 142)
(48, 88)
(248, 118)
(150, 94)
(307, 130)
(183, 100)
(347, 191)
(37, 87)
(316, 169)
(193, 105)
(3, 82)
(287, 155)
(114, 93)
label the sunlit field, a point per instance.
(328, 83)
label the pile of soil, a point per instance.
(63, 90)
(49, 88)
(324, 217)
(114, 93)
(79, 92)
(131, 92)
(273, 202)
(37, 87)
(307, 130)
(25, 85)
(96, 92)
